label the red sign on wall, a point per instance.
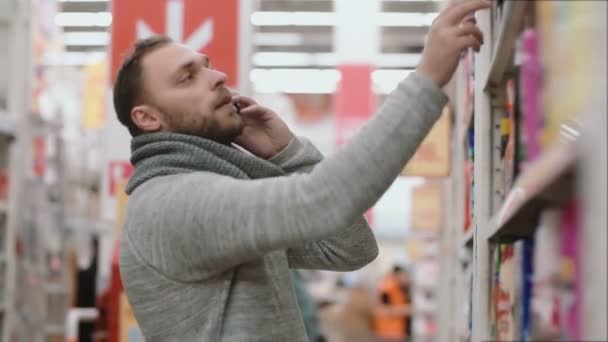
(354, 99)
(210, 27)
(118, 171)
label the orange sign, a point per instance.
(432, 159)
(427, 207)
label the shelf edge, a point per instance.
(505, 44)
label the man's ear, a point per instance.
(147, 118)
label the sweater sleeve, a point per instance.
(216, 222)
(347, 250)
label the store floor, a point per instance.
(349, 320)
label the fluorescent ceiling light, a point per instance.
(86, 38)
(406, 19)
(277, 38)
(318, 81)
(65, 19)
(73, 58)
(292, 59)
(274, 18)
(300, 59)
(387, 80)
(270, 18)
(315, 81)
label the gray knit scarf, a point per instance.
(160, 154)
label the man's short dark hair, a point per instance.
(128, 87)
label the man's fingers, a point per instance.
(252, 111)
(470, 41)
(470, 19)
(457, 13)
(243, 101)
(468, 28)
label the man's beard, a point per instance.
(209, 127)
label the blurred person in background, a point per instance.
(224, 200)
(392, 315)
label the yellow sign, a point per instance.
(432, 159)
(414, 249)
(427, 207)
(94, 95)
(121, 205)
(129, 330)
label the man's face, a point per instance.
(189, 94)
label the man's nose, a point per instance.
(218, 78)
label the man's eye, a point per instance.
(186, 78)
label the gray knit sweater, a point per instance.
(206, 257)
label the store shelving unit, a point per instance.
(547, 183)
(15, 149)
(572, 167)
(502, 51)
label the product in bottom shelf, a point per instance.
(557, 282)
(546, 317)
(507, 295)
(569, 276)
(494, 288)
(527, 268)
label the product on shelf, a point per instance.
(507, 152)
(557, 282)
(507, 292)
(469, 178)
(530, 75)
(564, 35)
(545, 303)
(527, 268)
(469, 66)
(494, 273)
(569, 275)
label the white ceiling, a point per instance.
(288, 34)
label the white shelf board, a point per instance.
(510, 26)
(547, 182)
